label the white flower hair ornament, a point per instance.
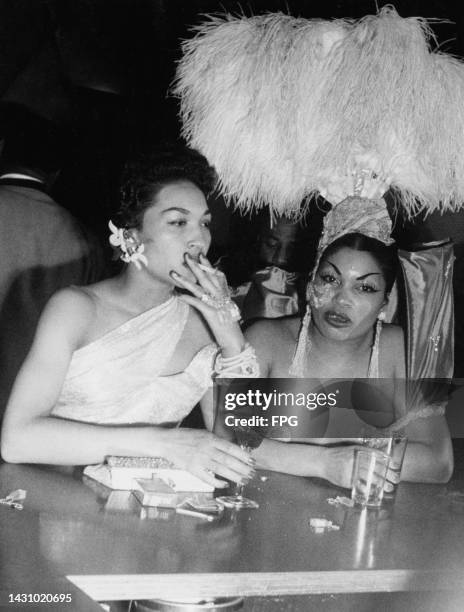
(130, 250)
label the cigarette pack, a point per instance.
(156, 492)
(124, 502)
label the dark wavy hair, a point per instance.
(385, 256)
(147, 172)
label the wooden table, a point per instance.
(72, 534)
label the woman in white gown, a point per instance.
(116, 365)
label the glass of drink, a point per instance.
(248, 439)
(393, 445)
(369, 473)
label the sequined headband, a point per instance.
(357, 215)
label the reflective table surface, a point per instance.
(76, 533)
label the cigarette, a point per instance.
(202, 515)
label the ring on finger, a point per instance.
(207, 298)
(216, 302)
(227, 309)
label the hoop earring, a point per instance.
(130, 251)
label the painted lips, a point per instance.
(337, 319)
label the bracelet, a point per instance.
(153, 463)
(433, 410)
(243, 365)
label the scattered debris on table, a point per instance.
(340, 500)
(15, 499)
(321, 525)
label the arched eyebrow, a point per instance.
(333, 266)
(359, 277)
(369, 274)
(184, 211)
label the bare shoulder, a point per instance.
(274, 342)
(273, 333)
(75, 301)
(393, 349)
(392, 336)
(70, 312)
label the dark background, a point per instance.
(101, 70)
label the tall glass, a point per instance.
(369, 472)
(394, 445)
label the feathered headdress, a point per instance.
(285, 108)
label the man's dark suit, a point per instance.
(42, 249)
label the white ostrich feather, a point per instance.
(285, 108)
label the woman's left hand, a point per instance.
(339, 467)
(211, 296)
(391, 480)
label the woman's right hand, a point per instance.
(207, 456)
(210, 295)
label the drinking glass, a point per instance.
(248, 439)
(371, 535)
(393, 445)
(369, 472)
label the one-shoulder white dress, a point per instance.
(117, 379)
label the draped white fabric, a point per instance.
(117, 378)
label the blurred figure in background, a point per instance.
(277, 264)
(42, 247)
